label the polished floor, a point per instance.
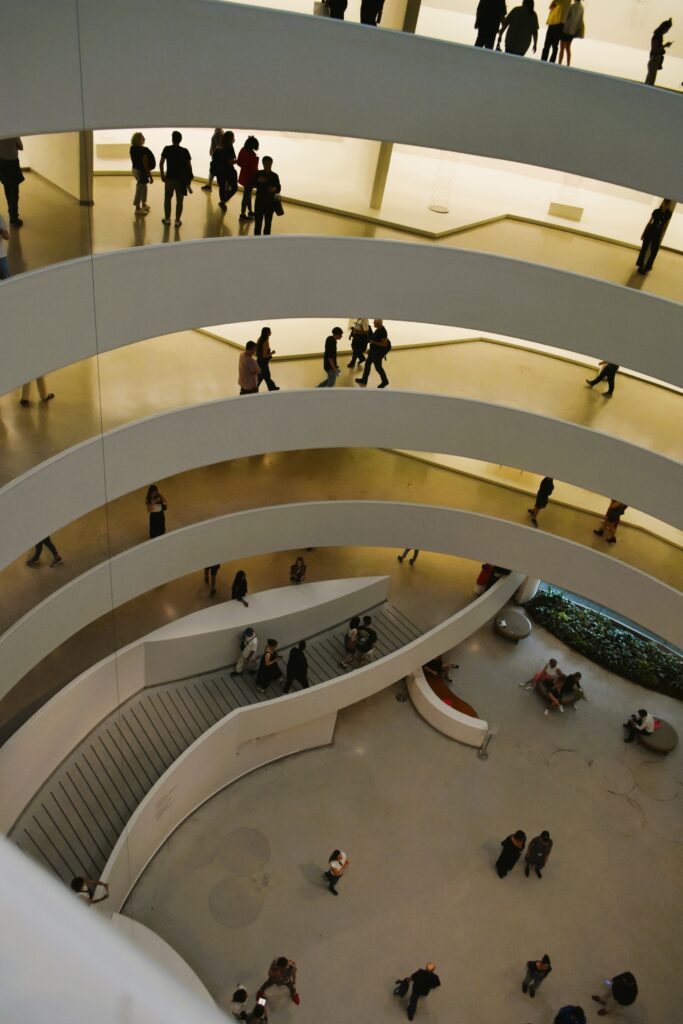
(240, 882)
(56, 228)
(268, 480)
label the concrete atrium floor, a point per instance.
(56, 228)
(421, 819)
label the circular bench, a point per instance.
(512, 624)
(663, 740)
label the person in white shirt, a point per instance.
(238, 1007)
(642, 724)
(86, 888)
(248, 651)
(336, 867)
(4, 237)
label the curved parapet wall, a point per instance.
(243, 279)
(169, 443)
(127, 58)
(446, 720)
(630, 592)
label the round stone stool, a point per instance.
(663, 740)
(512, 624)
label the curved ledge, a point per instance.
(448, 721)
(241, 279)
(168, 443)
(634, 594)
(155, 948)
(487, 120)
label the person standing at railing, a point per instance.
(216, 140)
(574, 27)
(658, 50)
(652, 236)
(223, 166)
(337, 8)
(267, 185)
(519, 27)
(490, 13)
(247, 161)
(175, 168)
(371, 12)
(11, 176)
(556, 19)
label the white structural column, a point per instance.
(188, 438)
(130, 53)
(241, 279)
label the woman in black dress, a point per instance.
(545, 489)
(156, 506)
(269, 670)
(240, 588)
(512, 851)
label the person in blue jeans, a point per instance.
(330, 359)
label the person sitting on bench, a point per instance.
(642, 724)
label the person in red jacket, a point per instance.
(247, 161)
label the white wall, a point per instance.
(582, 570)
(174, 442)
(56, 157)
(130, 54)
(239, 279)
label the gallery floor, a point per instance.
(421, 819)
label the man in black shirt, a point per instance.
(377, 353)
(424, 980)
(175, 168)
(366, 640)
(330, 359)
(297, 667)
(266, 185)
(371, 12)
(223, 167)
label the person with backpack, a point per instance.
(248, 657)
(143, 163)
(623, 991)
(337, 865)
(365, 643)
(537, 854)
(380, 347)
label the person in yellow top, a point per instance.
(555, 23)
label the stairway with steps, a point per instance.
(74, 821)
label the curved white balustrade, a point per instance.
(242, 279)
(630, 592)
(130, 53)
(252, 736)
(174, 442)
(446, 720)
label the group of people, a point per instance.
(175, 169)
(556, 687)
(370, 10)
(281, 973)
(519, 26)
(615, 510)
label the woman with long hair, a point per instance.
(247, 161)
(156, 507)
(264, 353)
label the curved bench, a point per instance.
(663, 740)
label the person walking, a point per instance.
(351, 640)
(267, 185)
(240, 588)
(610, 523)
(37, 551)
(211, 572)
(520, 27)
(215, 143)
(380, 346)
(248, 656)
(175, 169)
(269, 672)
(43, 393)
(337, 864)
(4, 237)
(546, 488)
(570, 1015)
(248, 373)
(489, 15)
(556, 19)
(536, 973)
(156, 506)
(264, 353)
(537, 854)
(574, 27)
(11, 176)
(359, 335)
(623, 991)
(658, 50)
(143, 163)
(549, 673)
(371, 12)
(642, 724)
(297, 667)
(607, 371)
(282, 972)
(223, 166)
(406, 551)
(297, 570)
(87, 887)
(513, 845)
(330, 359)
(424, 980)
(247, 161)
(652, 236)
